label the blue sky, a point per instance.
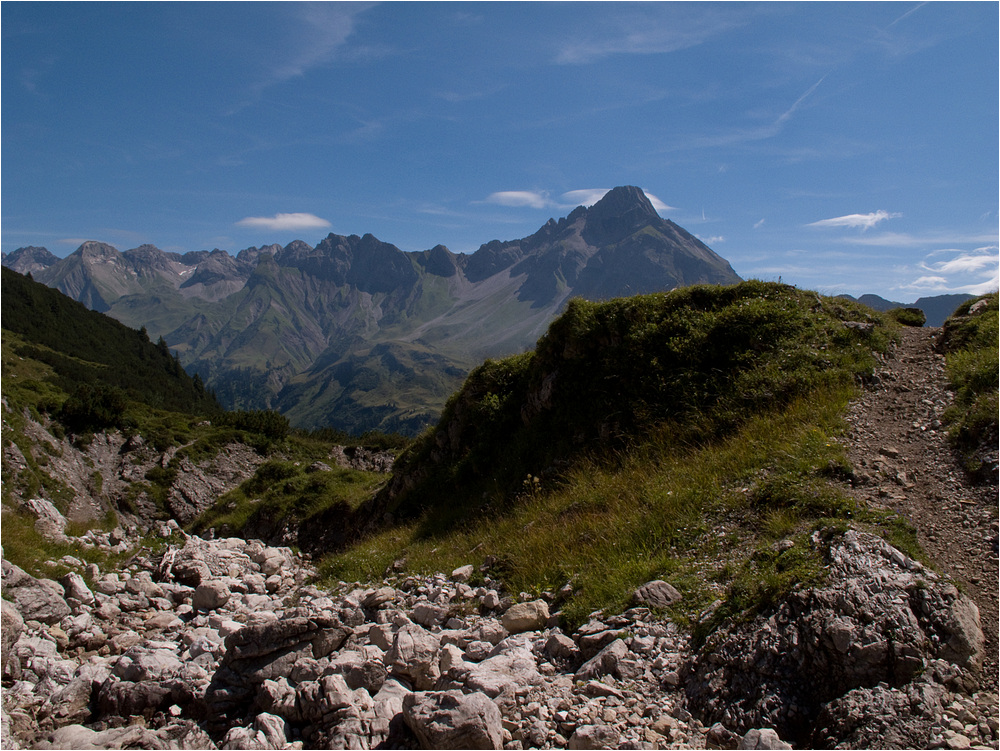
(846, 147)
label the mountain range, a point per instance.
(357, 334)
(936, 308)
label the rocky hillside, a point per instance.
(224, 644)
(358, 334)
(730, 547)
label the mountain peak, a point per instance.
(621, 201)
(95, 249)
(622, 212)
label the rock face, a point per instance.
(428, 662)
(121, 462)
(881, 618)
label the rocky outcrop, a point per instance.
(141, 659)
(110, 473)
(880, 619)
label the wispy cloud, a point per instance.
(972, 271)
(295, 221)
(758, 224)
(912, 10)
(749, 134)
(570, 199)
(784, 116)
(862, 221)
(648, 33)
(320, 31)
(907, 240)
(964, 262)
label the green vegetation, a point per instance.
(286, 494)
(908, 316)
(680, 436)
(99, 361)
(693, 364)
(970, 343)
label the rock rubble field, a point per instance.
(223, 644)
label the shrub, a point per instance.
(94, 407)
(908, 316)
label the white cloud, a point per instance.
(658, 204)
(974, 271)
(964, 263)
(586, 197)
(758, 225)
(284, 222)
(530, 198)
(864, 221)
(712, 240)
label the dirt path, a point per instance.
(900, 453)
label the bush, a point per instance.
(908, 316)
(93, 408)
(970, 343)
(267, 423)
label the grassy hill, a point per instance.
(970, 344)
(681, 436)
(101, 364)
(73, 377)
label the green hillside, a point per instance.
(970, 343)
(678, 435)
(100, 363)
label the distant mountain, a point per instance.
(936, 308)
(354, 332)
(29, 260)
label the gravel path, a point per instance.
(902, 461)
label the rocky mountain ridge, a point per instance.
(358, 334)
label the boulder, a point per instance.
(878, 617)
(11, 625)
(762, 738)
(259, 652)
(509, 670)
(656, 594)
(211, 595)
(451, 719)
(35, 599)
(51, 524)
(268, 732)
(76, 588)
(413, 656)
(526, 616)
(594, 737)
(605, 662)
(71, 704)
